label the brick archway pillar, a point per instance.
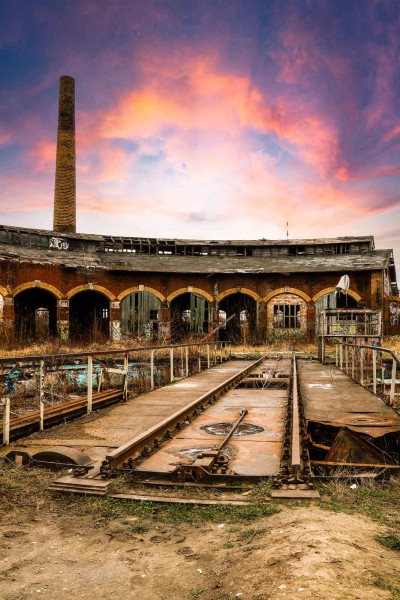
(63, 320)
(262, 322)
(8, 317)
(311, 324)
(115, 321)
(165, 329)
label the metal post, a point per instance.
(187, 360)
(362, 366)
(208, 356)
(199, 357)
(171, 364)
(374, 371)
(41, 395)
(89, 384)
(393, 383)
(337, 354)
(353, 354)
(341, 356)
(347, 359)
(126, 369)
(152, 369)
(6, 421)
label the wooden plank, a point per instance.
(295, 494)
(192, 501)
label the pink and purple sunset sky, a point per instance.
(206, 118)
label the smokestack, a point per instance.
(65, 184)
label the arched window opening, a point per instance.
(190, 316)
(287, 315)
(89, 317)
(240, 315)
(141, 315)
(35, 315)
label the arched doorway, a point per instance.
(35, 315)
(141, 314)
(238, 317)
(190, 316)
(89, 316)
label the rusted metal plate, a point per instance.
(250, 453)
(247, 458)
(350, 447)
(332, 398)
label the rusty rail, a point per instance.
(295, 450)
(42, 364)
(140, 446)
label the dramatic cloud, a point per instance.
(206, 119)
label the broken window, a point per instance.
(287, 316)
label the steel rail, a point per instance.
(134, 446)
(295, 445)
(57, 412)
(54, 357)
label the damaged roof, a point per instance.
(113, 261)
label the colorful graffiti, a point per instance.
(394, 313)
(116, 331)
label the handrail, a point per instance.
(217, 351)
(106, 352)
(355, 361)
(375, 348)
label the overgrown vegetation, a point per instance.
(22, 486)
(387, 585)
(389, 540)
(380, 502)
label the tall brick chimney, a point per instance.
(65, 184)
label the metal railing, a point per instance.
(373, 367)
(131, 370)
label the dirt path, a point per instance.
(301, 553)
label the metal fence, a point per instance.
(374, 367)
(32, 388)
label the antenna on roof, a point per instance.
(287, 229)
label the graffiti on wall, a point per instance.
(63, 328)
(394, 313)
(116, 331)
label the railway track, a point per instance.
(28, 423)
(259, 428)
(254, 425)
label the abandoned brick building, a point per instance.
(73, 285)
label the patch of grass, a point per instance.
(389, 540)
(385, 584)
(262, 490)
(196, 593)
(379, 502)
(175, 513)
(228, 545)
(250, 533)
(250, 549)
